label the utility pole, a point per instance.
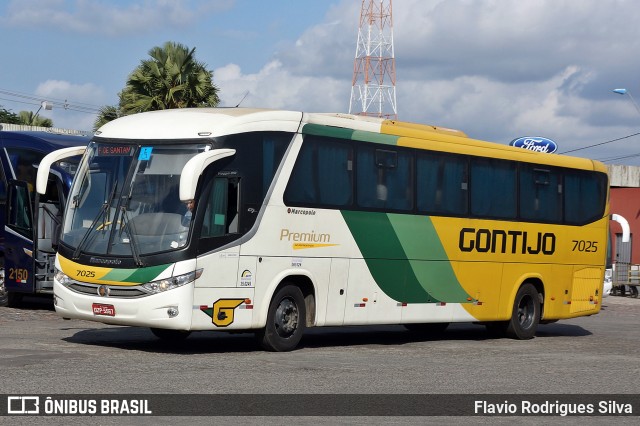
(373, 89)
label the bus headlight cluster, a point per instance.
(62, 278)
(171, 283)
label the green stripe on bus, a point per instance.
(360, 135)
(329, 131)
(342, 133)
(405, 257)
(142, 275)
(385, 257)
(420, 240)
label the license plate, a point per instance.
(102, 309)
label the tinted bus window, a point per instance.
(442, 184)
(384, 179)
(584, 197)
(493, 188)
(540, 194)
(322, 175)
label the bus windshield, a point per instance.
(125, 199)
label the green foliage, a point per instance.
(170, 78)
(6, 116)
(106, 114)
(28, 118)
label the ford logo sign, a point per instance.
(535, 143)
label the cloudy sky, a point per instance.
(496, 69)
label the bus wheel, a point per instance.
(526, 314)
(285, 321)
(427, 328)
(14, 300)
(170, 335)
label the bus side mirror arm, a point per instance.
(49, 159)
(193, 169)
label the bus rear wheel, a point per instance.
(526, 314)
(285, 320)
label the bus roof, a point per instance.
(421, 136)
(194, 123)
(43, 141)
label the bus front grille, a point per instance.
(110, 290)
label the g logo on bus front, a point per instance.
(222, 312)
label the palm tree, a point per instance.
(28, 118)
(106, 114)
(172, 78)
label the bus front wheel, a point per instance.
(526, 313)
(285, 320)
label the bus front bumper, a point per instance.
(171, 309)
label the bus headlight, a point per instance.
(160, 286)
(62, 278)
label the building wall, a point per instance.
(626, 203)
(22, 127)
(624, 176)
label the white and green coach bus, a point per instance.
(275, 221)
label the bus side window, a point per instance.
(584, 195)
(442, 184)
(493, 188)
(540, 194)
(384, 179)
(3, 185)
(24, 163)
(20, 211)
(322, 175)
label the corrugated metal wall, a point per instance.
(56, 130)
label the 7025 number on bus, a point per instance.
(585, 246)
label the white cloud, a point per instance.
(276, 87)
(496, 69)
(74, 105)
(107, 17)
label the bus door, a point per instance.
(18, 239)
(221, 225)
(47, 222)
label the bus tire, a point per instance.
(285, 321)
(14, 300)
(526, 313)
(167, 335)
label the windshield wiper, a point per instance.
(125, 223)
(88, 234)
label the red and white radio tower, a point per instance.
(373, 89)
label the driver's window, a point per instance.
(221, 214)
(19, 208)
(24, 163)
